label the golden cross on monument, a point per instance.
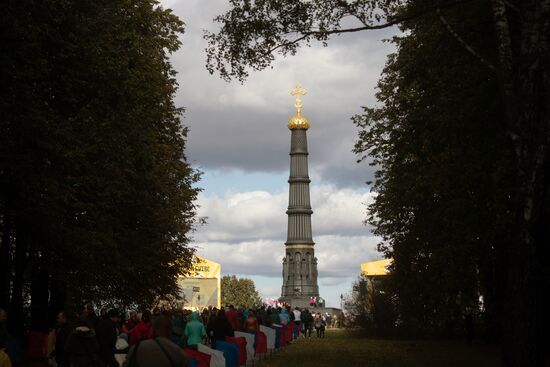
(297, 92)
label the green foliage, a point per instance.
(94, 184)
(372, 306)
(443, 165)
(239, 292)
(251, 32)
(359, 305)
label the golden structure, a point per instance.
(202, 287)
(298, 121)
(376, 268)
(374, 271)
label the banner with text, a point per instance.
(202, 287)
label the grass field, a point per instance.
(342, 349)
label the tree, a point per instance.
(239, 292)
(251, 32)
(360, 304)
(96, 195)
(443, 165)
(371, 306)
(505, 51)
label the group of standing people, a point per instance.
(111, 341)
(115, 339)
(307, 321)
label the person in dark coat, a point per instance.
(89, 314)
(106, 334)
(307, 322)
(62, 335)
(82, 347)
(220, 327)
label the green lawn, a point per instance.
(343, 349)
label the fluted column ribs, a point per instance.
(300, 275)
(299, 207)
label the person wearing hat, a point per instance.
(106, 333)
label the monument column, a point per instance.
(299, 263)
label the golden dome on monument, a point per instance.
(298, 121)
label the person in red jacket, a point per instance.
(131, 323)
(143, 330)
(233, 318)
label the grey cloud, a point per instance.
(251, 216)
(264, 258)
(347, 175)
(330, 281)
(260, 142)
(254, 141)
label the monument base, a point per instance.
(304, 303)
(293, 302)
(297, 301)
(325, 310)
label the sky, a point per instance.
(238, 138)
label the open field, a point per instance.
(342, 349)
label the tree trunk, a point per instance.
(40, 293)
(524, 87)
(15, 313)
(58, 293)
(5, 261)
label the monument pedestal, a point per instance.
(295, 302)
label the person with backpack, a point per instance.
(307, 322)
(82, 347)
(320, 324)
(159, 351)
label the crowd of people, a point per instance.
(143, 338)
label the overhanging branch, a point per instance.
(464, 44)
(388, 24)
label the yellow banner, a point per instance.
(380, 267)
(198, 293)
(204, 268)
(202, 287)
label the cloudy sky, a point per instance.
(239, 139)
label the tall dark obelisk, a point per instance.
(299, 263)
